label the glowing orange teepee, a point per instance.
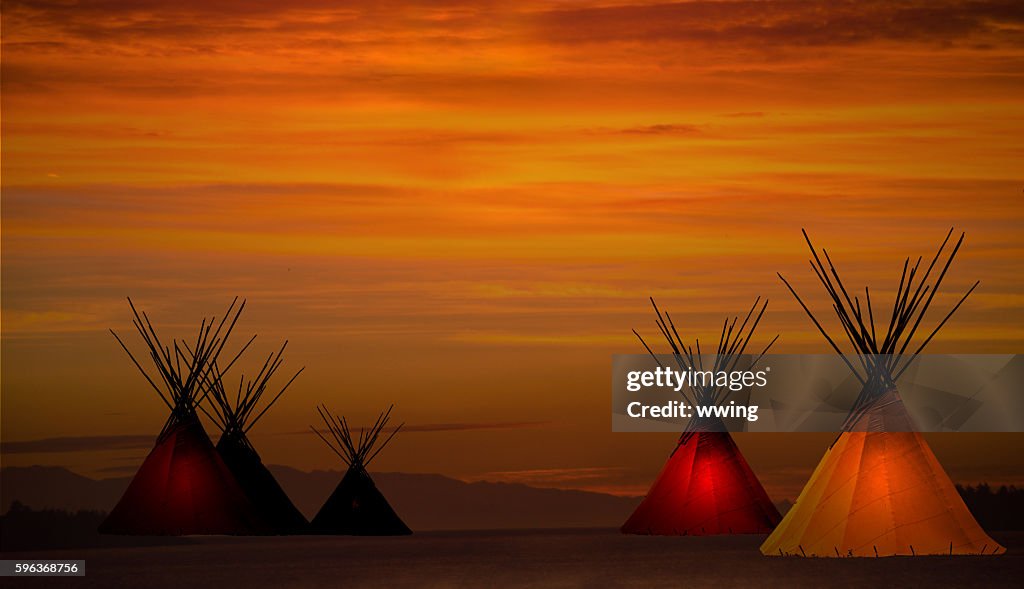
(706, 486)
(879, 490)
(879, 494)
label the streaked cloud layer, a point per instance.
(462, 207)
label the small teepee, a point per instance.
(706, 487)
(356, 507)
(879, 490)
(183, 487)
(235, 415)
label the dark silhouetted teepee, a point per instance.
(183, 487)
(879, 490)
(706, 487)
(235, 414)
(356, 507)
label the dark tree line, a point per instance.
(1001, 509)
(24, 528)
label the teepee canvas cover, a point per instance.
(183, 486)
(235, 415)
(356, 507)
(706, 486)
(883, 492)
(879, 490)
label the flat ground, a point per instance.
(578, 558)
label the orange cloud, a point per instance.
(481, 197)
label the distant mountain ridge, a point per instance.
(424, 501)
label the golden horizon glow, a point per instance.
(480, 197)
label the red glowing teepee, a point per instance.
(706, 486)
(183, 487)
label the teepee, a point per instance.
(235, 415)
(183, 486)
(706, 487)
(879, 490)
(356, 507)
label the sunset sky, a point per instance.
(461, 208)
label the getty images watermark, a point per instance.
(814, 393)
(718, 383)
